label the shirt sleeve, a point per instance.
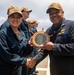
(41, 55)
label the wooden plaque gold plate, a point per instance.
(39, 38)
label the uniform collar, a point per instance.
(63, 23)
(10, 31)
(60, 26)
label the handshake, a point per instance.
(30, 63)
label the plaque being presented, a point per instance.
(39, 38)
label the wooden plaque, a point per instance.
(39, 38)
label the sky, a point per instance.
(38, 8)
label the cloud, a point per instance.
(41, 3)
(2, 19)
(45, 23)
(39, 8)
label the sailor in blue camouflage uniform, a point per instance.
(13, 45)
(24, 26)
(60, 48)
(31, 24)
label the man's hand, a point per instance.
(48, 46)
(30, 62)
(30, 41)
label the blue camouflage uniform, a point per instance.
(25, 29)
(5, 25)
(35, 51)
(62, 55)
(13, 52)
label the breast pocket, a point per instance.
(62, 38)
